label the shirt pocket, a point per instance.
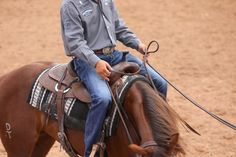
(86, 9)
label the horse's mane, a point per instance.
(162, 118)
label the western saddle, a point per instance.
(71, 85)
(62, 80)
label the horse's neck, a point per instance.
(118, 145)
(135, 105)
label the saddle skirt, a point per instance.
(50, 78)
(77, 98)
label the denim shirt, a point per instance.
(87, 26)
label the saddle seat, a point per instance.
(71, 83)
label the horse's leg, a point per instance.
(43, 145)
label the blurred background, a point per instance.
(197, 53)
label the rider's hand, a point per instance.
(142, 48)
(103, 69)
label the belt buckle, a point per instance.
(107, 50)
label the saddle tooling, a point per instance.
(59, 93)
(76, 98)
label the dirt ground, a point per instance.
(197, 53)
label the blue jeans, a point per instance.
(100, 95)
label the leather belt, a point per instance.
(105, 50)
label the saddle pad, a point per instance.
(75, 110)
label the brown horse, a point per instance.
(24, 133)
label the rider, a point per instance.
(90, 30)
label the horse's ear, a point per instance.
(173, 142)
(137, 149)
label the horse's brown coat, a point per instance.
(32, 137)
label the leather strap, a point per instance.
(60, 101)
(121, 115)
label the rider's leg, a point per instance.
(101, 98)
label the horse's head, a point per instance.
(152, 123)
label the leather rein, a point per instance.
(122, 114)
(124, 119)
(145, 62)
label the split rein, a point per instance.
(145, 63)
(228, 124)
(123, 115)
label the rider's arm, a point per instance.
(73, 35)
